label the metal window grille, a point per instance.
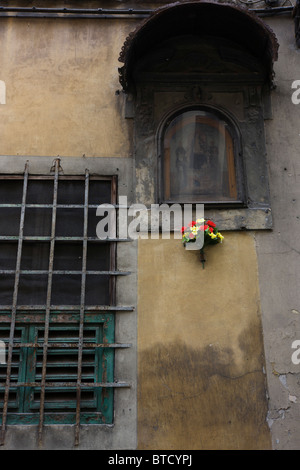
(57, 301)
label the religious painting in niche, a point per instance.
(198, 159)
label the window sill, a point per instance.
(243, 218)
(247, 218)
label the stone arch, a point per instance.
(200, 18)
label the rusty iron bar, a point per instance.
(40, 272)
(82, 305)
(63, 344)
(62, 177)
(60, 206)
(14, 306)
(113, 247)
(76, 239)
(48, 303)
(71, 308)
(71, 384)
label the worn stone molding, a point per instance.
(168, 20)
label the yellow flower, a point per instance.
(212, 235)
(219, 235)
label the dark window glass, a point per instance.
(11, 191)
(10, 221)
(199, 159)
(39, 192)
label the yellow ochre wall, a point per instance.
(61, 79)
(200, 350)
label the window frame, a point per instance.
(235, 134)
(247, 103)
(106, 312)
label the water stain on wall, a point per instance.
(199, 399)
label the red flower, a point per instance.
(203, 227)
(211, 229)
(191, 224)
(183, 229)
(191, 235)
(212, 224)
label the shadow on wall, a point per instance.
(198, 399)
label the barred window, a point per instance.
(57, 301)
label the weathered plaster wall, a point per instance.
(201, 378)
(201, 358)
(278, 251)
(61, 81)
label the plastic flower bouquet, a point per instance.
(212, 236)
